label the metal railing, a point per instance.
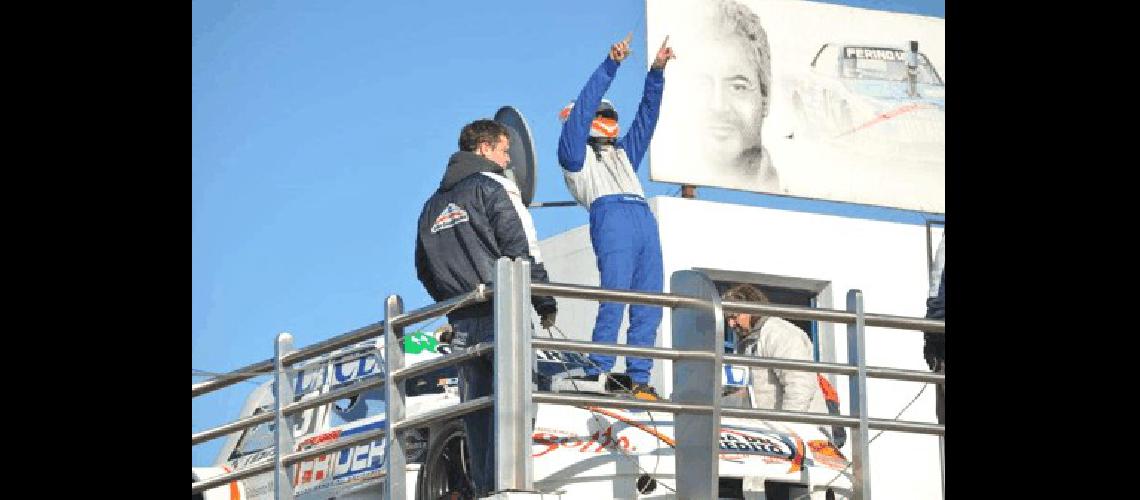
(697, 332)
(391, 328)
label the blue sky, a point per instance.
(319, 128)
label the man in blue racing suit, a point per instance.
(601, 173)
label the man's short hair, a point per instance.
(745, 292)
(479, 131)
(739, 20)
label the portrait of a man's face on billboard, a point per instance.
(803, 99)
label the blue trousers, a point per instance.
(475, 380)
(624, 235)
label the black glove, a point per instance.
(445, 333)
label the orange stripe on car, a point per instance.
(668, 440)
(235, 493)
(906, 108)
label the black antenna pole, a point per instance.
(543, 204)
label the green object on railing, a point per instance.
(417, 342)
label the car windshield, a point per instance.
(872, 63)
(256, 438)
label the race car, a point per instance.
(860, 92)
(577, 452)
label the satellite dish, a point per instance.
(522, 165)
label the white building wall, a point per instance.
(887, 261)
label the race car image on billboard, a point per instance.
(802, 99)
(862, 92)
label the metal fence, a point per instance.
(697, 330)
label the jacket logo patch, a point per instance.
(450, 216)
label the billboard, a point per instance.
(802, 99)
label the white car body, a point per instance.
(858, 93)
(577, 452)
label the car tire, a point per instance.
(445, 463)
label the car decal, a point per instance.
(796, 450)
(552, 441)
(314, 469)
(417, 342)
(653, 432)
(827, 454)
(882, 54)
(770, 444)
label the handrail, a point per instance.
(837, 368)
(441, 362)
(854, 317)
(247, 422)
(618, 349)
(570, 291)
(736, 359)
(608, 402)
(627, 296)
(795, 312)
(344, 340)
(443, 413)
(781, 415)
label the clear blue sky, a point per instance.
(320, 127)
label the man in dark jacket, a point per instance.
(474, 218)
(934, 349)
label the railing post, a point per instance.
(856, 354)
(283, 431)
(394, 455)
(942, 460)
(697, 382)
(512, 375)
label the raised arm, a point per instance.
(576, 129)
(636, 142)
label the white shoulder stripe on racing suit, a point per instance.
(524, 214)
